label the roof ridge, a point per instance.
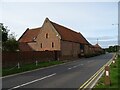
(35, 28)
(64, 27)
(75, 36)
(84, 38)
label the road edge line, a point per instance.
(107, 63)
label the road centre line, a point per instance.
(75, 66)
(32, 81)
(70, 68)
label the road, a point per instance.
(69, 75)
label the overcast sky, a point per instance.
(93, 19)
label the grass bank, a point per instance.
(114, 77)
(28, 67)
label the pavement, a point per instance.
(68, 75)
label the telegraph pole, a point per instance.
(97, 40)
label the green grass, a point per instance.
(28, 67)
(114, 76)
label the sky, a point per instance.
(119, 24)
(93, 19)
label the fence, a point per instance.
(10, 59)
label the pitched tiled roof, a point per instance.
(23, 46)
(69, 35)
(29, 35)
(66, 34)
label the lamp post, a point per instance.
(119, 28)
(118, 38)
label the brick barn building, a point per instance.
(54, 37)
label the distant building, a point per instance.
(97, 48)
(54, 37)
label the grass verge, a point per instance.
(114, 77)
(28, 67)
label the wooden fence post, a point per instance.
(107, 76)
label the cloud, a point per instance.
(105, 44)
(93, 20)
(104, 41)
(103, 38)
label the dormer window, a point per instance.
(34, 38)
(46, 35)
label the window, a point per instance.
(52, 44)
(47, 35)
(81, 46)
(41, 45)
(34, 38)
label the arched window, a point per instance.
(46, 35)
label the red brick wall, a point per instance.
(24, 47)
(70, 49)
(10, 59)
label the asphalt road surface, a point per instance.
(68, 75)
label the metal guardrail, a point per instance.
(93, 80)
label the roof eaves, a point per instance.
(23, 34)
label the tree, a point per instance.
(112, 48)
(9, 42)
(4, 33)
(10, 45)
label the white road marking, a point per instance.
(32, 81)
(69, 68)
(75, 66)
